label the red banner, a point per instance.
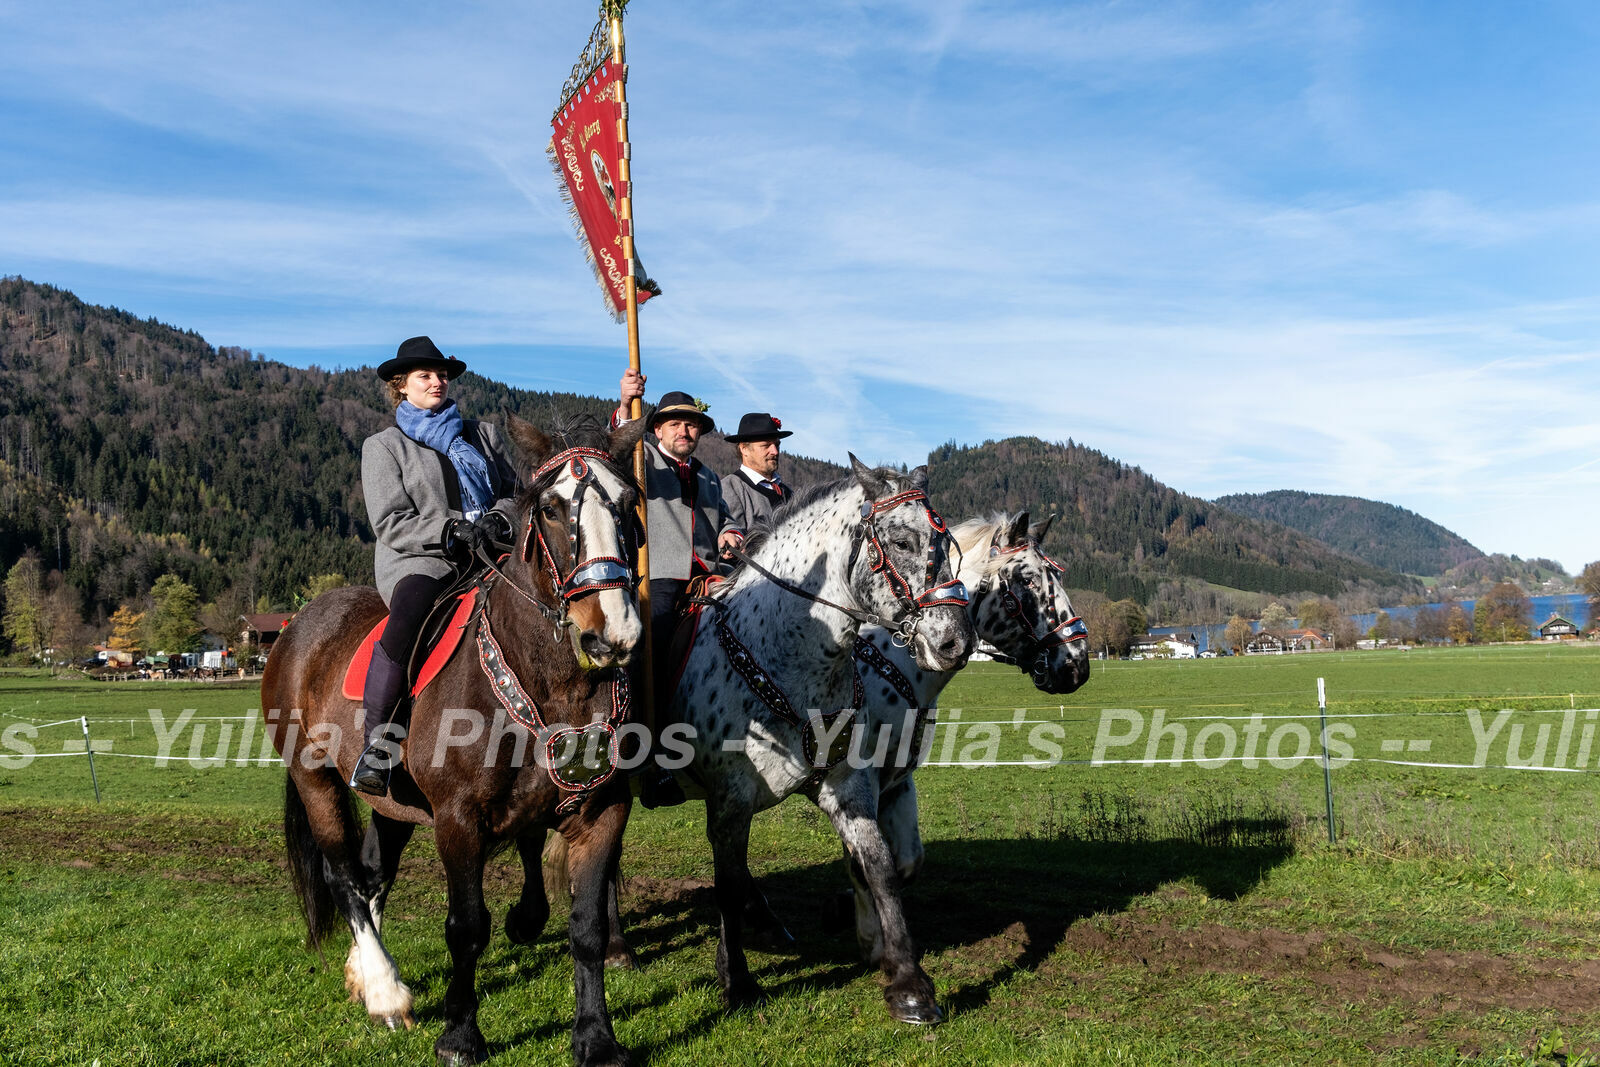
(586, 154)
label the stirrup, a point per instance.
(369, 778)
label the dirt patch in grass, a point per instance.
(1346, 969)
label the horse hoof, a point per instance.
(917, 1009)
(746, 994)
(397, 1021)
(521, 929)
(461, 1049)
(608, 1054)
(622, 959)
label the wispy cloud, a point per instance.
(1236, 245)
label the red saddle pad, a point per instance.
(355, 676)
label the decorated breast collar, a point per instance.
(814, 725)
(567, 749)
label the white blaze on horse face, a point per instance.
(598, 536)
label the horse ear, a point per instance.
(1017, 532)
(870, 480)
(531, 440)
(1038, 532)
(623, 438)
(919, 478)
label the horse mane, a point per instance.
(786, 510)
(974, 535)
(579, 431)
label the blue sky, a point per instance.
(1336, 246)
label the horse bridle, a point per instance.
(1057, 631)
(587, 575)
(935, 593)
(938, 594)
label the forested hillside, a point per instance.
(130, 449)
(1382, 534)
(1121, 532)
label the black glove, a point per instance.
(496, 529)
(458, 538)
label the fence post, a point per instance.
(1327, 773)
(88, 748)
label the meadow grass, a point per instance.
(1077, 913)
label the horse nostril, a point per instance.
(594, 646)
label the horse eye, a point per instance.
(550, 513)
(902, 544)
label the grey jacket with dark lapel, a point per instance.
(680, 533)
(412, 491)
(750, 505)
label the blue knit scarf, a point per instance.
(440, 430)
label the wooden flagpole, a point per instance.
(630, 287)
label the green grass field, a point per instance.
(1082, 912)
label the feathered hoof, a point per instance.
(601, 1054)
(916, 1007)
(461, 1047)
(746, 994)
(400, 1020)
(523, 928)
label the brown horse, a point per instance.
(517, 735)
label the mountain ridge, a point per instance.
(129, 449)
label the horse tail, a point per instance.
(557, 879)
(307, 866)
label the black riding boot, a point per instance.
(380, 697)
(658, 787)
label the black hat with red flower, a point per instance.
(759, 426)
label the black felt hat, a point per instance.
(676, 405)
(417, 352)
(759, 426)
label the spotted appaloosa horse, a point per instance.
(1021, 608)
(1019, 605)
(769, 691)
(544, 658)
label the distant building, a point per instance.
(1266, 643)
(1306, 641)
(262, 630)
(1555, 628)
(1165, 646)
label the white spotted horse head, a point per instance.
(577, 537)
(1022, 608)
(900, 568)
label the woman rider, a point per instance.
(435, 484)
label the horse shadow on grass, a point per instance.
(1004, 905)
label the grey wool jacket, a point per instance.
(684, 525)
(412, 491)
(751, 508)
